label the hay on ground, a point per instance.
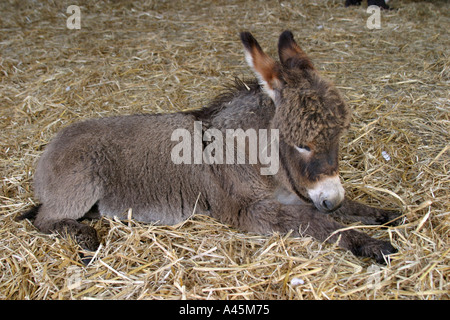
(150, 56)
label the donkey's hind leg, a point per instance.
(351, 211)
(50, 220)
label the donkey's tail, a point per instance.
(29, 214)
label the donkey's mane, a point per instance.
(236, 88)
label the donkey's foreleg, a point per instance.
(351, 211)
(268, 216)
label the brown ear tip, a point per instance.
(287, 34)
(286, 38)
(248, 40)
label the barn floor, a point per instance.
(165, 56)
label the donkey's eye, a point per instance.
(302, 148)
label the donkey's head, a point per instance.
(310, 116)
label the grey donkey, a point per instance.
(138, 162)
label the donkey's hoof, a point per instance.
(376, 249)
(384, 249)
(389, 217)
(88, 238)
(84, 235)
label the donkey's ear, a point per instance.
(291, 55)
(264, 66)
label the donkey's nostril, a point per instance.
(328, 205)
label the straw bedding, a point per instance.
(165, 56)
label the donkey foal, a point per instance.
(113, 164)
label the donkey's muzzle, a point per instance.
(327, 194)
